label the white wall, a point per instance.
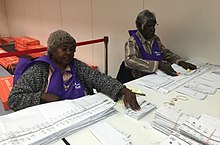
(189, 28)
(113, 18)
(3, 20)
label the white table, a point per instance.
(138, 134)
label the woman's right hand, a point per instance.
(129, 99)
(47, 97)
(166, 67)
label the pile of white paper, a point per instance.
(168, 118)
(206, 129)
(146, 107)
(185, 129)
(164, 83)
(178, 139)
(204, 85)
(154, 81)
(196, 90)
(108, 135)
(48, 122)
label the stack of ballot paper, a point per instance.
(164, 83)
(108, 135)
(168, 118)
(178, 139)
(202, 86)
(51, 121)
(153, 81)
(205, 130)
(146, 107)
(196, 90)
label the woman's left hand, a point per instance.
(187, 65)
(129, 99)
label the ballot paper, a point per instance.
(48, 122)
(217, 71)
(202, 86)
(204, 129)
(178, 139)
(181, 71)
(201, 130)
(168, 118)
(153, 81)
(108, 135)
(164, 83)
(209, 79)
(195, 90)
(146, 107)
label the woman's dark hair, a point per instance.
(143, 17)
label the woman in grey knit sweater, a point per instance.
(58, 76)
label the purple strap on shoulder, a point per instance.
(156, 53)
(73, 87)
(20, 68)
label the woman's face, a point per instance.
(64, 54)
(148, 31)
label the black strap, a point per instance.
(65, 141)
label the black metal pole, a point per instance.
(106, 54)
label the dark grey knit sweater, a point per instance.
(32, 84)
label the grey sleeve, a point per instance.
(29, 87)
(97, 80)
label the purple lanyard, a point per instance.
(56, 85)
(156, 53)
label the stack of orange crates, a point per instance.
(22, 43)
(38, 54)
(8, 62)
(6, 84)
(26, 43)
(7, 40)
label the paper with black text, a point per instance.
(108, 135)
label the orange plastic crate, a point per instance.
(6, 84)
(7, 40)
(38, 54)
(7, 62)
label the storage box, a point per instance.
(8, 62)
(7, 40)
(38, 54)
(6, 84)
